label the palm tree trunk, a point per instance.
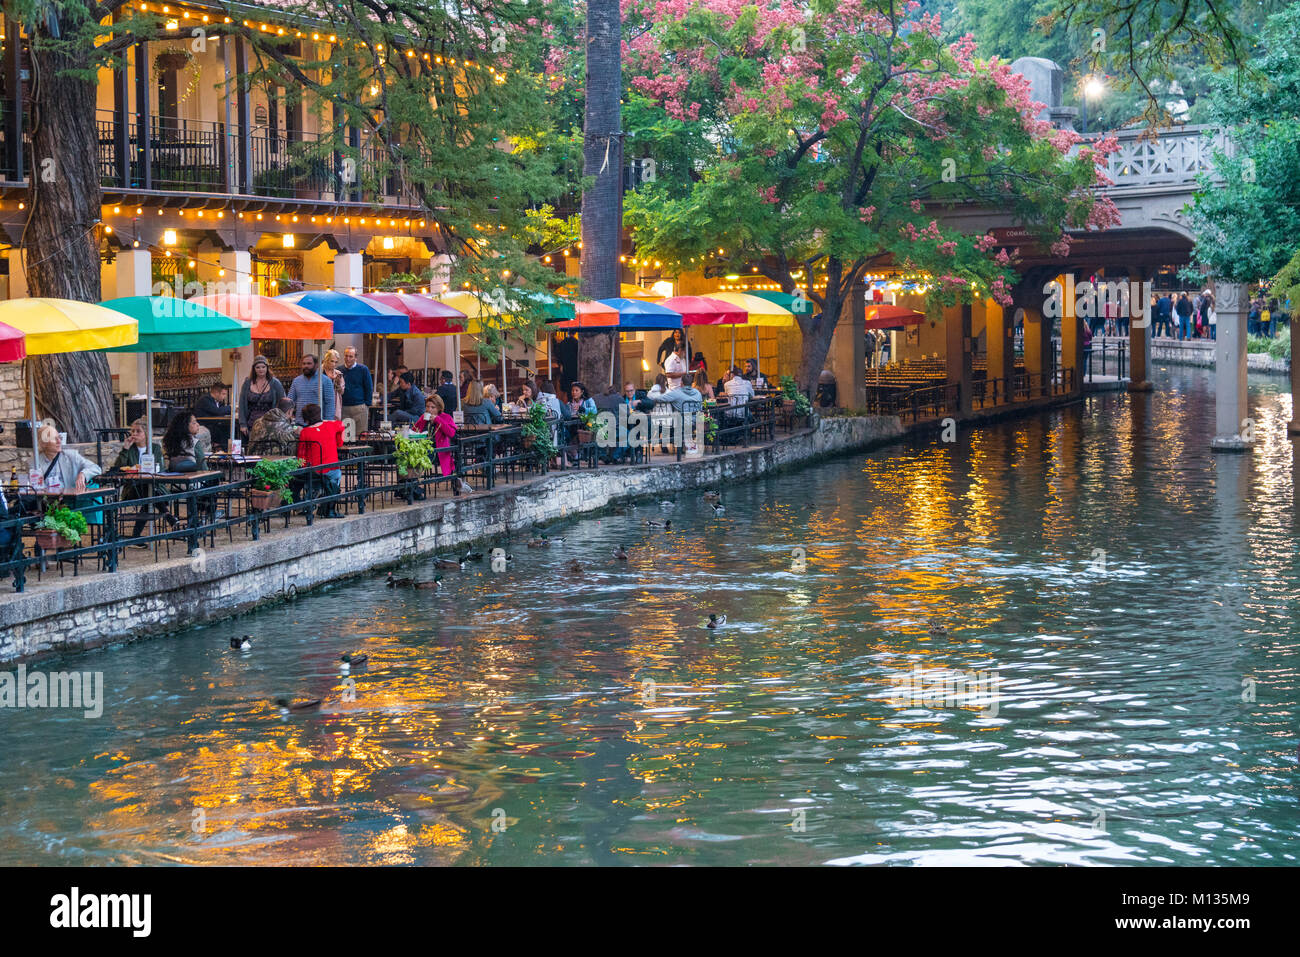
(61, 239)
(602, 204)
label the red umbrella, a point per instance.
(885, 316)
(429, 317)
(703, 311)
(13, 344)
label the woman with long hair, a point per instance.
(184, 454)
(329, 367)
(260, 393)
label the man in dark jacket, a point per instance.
(1184, 310)
(412, 404)
(449, 393)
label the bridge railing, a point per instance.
(1173, 157)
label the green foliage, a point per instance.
(67, 523)
(536, 426)
(790, 389)
(273, 475)
(413, 456)
(1247, 223)
(1278, 347)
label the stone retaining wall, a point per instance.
(103, 608)
(1200, 353)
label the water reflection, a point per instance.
(1134, 594)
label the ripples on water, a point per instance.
(1128, 588)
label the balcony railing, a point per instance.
(199, 156)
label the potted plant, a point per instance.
(536, 433)
(586, 428)
(414, 457)
(60, 527)
(794, 402)
(270, 482)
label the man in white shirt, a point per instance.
(678, 398)
(739, 389)
(675, 366)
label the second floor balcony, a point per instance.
(210, 158)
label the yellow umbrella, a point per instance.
(65, 325)
(629, 291)
(761, 313)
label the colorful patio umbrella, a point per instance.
(762, 312)
(13, 345)
(705, 311)
(799, 305)
(588, 314)
(629, 290)
(168, 324)
(886, 316)
(638, 315)
(426, 316)
(51, 326)
(351, 314)
(268, 318)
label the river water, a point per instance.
(1127, 598)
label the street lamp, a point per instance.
(1093, 88)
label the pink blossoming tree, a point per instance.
(819, 140)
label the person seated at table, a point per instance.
(431, 410)
(756, 378)
(579, 400)
(395, 384)
(678, 399)
(493, 393)
(318, 444)
(259, 394)
(6, 533)
(526, 398)
(444, 430)
(67, 468)
(705, 387)
(213, 405)
(180, 443)
(450, 394)
(739, 390)
(411, 406)
(609, 400)
(546, 395)
(478, 408)
(129, 458)
(275, 432)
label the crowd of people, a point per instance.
(1193, 315)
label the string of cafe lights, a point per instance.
(182, 13)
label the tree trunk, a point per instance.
(817, 334)
(61, 241)
(602, 204)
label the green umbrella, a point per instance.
(169, 324)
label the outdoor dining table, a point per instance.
(178, 482)
(233, 465)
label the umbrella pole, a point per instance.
(148, 407)
(757, 366)
(31, 388)
(426, 364)
(383, 348)
(612, 347)
(733, 346)
(320, 385)
(234, 404)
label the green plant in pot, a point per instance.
(270, 482)
(537, 433)
(413, 456)
(586, 426)
(790, 390)
(60, 527)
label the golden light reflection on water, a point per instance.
(522, 699)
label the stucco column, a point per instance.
(1231, 431)
(999, 335)
(17, 278)
(440, 273)
(134, 277)
(1139, 341)
(1038, 349)
(848, 355)
(238, 279)
(1071, 339)
(348, 272)
(957, 353)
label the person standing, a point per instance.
(332, 410)
(1184, 311)
(358, 390)
(1164, 309)
(676, 366)
(1211, 317)
(259, 394)
(669, 346)
(448, 392)
(303, 388)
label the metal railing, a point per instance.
(484, 459)
(205, 156)
(1105, 358)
